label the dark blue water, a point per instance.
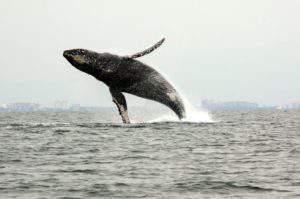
(246, 154)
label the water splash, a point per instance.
(193, 115)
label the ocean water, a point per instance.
(240, 154)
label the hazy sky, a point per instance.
(222, 50)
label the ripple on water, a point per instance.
(250, 153)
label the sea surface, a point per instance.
(240, 154)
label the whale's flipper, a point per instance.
(120, 101)
(148, 50)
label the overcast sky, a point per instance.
(222, 50)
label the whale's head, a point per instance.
(100, 65)
(81, 59)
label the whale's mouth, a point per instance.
(73, 58)
(67, 54)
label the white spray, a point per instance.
(192, 114)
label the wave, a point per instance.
(217, 185)
(33, 125)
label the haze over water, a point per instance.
(218, 50)
(222, 50)
(246, 154)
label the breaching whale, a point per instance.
(125, 74)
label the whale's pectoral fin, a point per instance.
(120, 101)
(147, 51)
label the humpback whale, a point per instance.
(126, 74)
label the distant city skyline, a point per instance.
(62, 105)
(143, 102)
(223, 50)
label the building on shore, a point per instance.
(22, 107)
(292, 105)
(212, 105)
(61, 105)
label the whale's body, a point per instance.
(125, 74)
